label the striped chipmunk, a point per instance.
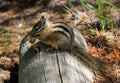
(58, 35)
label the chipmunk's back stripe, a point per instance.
(64, 28)
(61, 30)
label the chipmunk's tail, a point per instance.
(100, 68)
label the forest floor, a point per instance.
(16, 20)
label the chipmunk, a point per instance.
(58, 35)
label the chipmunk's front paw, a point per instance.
(35, 47)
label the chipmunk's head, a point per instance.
(38, 28)
(58, 34)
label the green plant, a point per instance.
(105, 19)
(70, 4)
(103, 11)
(86, 5)
(2, 33)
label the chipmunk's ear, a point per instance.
(43, 19)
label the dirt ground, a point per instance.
(16, 20)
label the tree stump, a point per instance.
(51, 65)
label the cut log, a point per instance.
(52, 66)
